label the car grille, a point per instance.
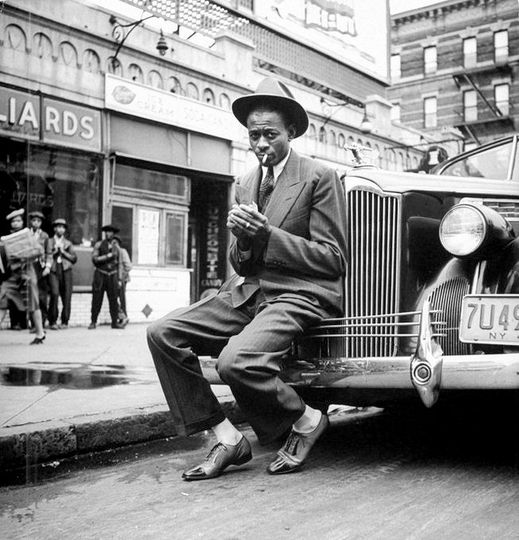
(372, 282)
(446, 302)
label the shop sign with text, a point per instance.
(144, 102)
(35, 117)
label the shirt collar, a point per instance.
(278, 167)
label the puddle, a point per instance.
(73, 375)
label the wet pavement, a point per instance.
(81, 391)
(450, 475)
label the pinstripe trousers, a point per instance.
(249, 341)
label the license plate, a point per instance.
(490, 318)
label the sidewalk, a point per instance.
(81, 391)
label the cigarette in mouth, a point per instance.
(264, 159)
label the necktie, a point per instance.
(265, 190)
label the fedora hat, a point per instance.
(59, 221)
(36, 213)
(110, 227)
(274, 93)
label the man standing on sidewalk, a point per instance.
(106, 261)
(125, 266)
(60, 277)
(19, 285)
(289, 248)
(43, 263)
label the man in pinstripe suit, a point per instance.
(289, 249)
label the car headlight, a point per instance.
(474, 230)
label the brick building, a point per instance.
(455, 70)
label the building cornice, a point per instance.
(437, 10)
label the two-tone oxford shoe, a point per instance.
(219, 458)
(296, 449)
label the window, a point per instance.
(501, 97)
(395, 67)
(470, 52)
(470, 106)
(429, 106)
(430, 60)
(501, 46)
(175, 241)
(493, 163)
(395, 112)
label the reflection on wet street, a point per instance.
(443, 474)
(72, 375)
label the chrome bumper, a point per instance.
(428, 371)
(471, 372)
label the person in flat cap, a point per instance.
(106, 261)
(19, 287)
(289, 251)
(63, 259)
(42, 264)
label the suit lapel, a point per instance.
(288, 186)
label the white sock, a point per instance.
(226, 433)
(308, 421)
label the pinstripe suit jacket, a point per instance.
(306, 251)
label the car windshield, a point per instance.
(491, 163)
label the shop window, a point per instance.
(162, 185)
(135, 73)
(430, 60)
(91, 62)
(175, 238)
(430, 106)
(470, 52)
(341, 141)
(502, 98)
(501, 46)
(42, 46)
(114, 67)
(155, 79)
(209, 96)
(148, 233)
(15, 38)
(470, 106)
(395, 67)
(122, 217)
(160, 233)
(322, 135)
(225, 102)
(332, 138)
(312, 132)
(192, 91)
(68, 54)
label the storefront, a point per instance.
(170, 177)
(50, 160)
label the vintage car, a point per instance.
(432, 294)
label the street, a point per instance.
(386, 475)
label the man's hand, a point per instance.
(45, 271)
(246, 223)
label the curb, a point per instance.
(28, 446)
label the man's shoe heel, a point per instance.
(243, 459)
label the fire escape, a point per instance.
(490, 121)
